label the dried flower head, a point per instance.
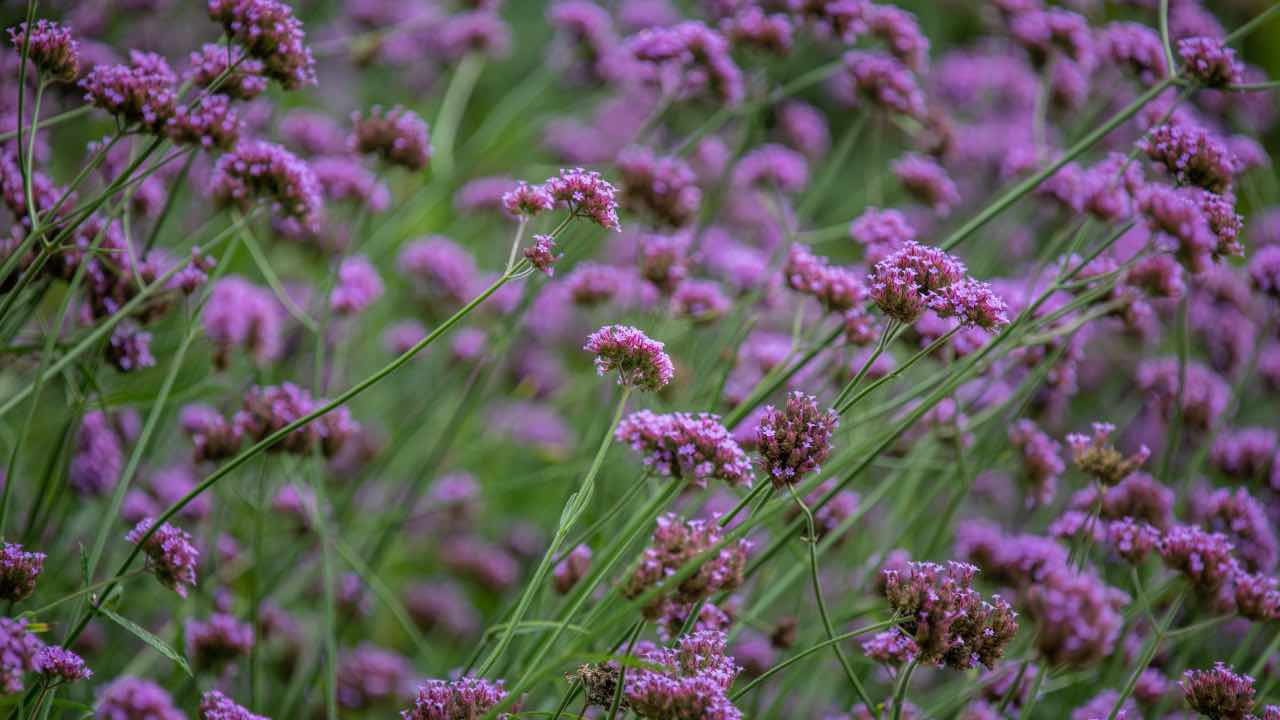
(1097, 457)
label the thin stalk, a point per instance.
(812, 542)
(885, 334)
(1164, 38)
(451, 109)
(834, 163)
(755, 682)
(900, 694)
(169, 202)
(622, 671)
(891, 376)
(573, 509)
(1182, 339)
(51, 121)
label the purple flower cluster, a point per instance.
(216, 706)
(128, 698)
(60, 665)
(258, 169)
(269, 32)
(694, 447)
(1218, 693)
(682, 61)
(691, 680)
(586, 194)
(50, 47)
(236, 77)
(240, 314)
(904, 283)
(795, 440)
(664, 187)
(641, 363)
(171, 556)
(19, 571)
(217, 641)
(884, 83)
(464, 697)
(675, 543)
(358, 286)
(398, 136)
(927, 181)
(946, 618)
(838, 289)
(542, 254)
(1210, 62)
(1192, 155)
(1095, 456)
(140, 93)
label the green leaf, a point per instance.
(156, 643)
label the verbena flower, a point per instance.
(237, 77)
(140, 93)
(1136, 48)
(1210, 61)
(132, 698)
(571, 569)
(210, 124)
(586, 194)
(1042, 462)
(542, 254)
(927, 181)
(19, 570)
(216, 706)
(1243, 520)
(214, 642)
(753, 27)
(1218, 693)
(675, 542)
(900, 32)
(1097, 457)
(1132, 540)
(60, 665)
(685, 60)
(171, 556)
(358, 286)
(50, 47)
(772, 167)
(19, 649)
(884, 83)
(526, 200)
(640, 362)
(973, 303)
(464, 697)
(240, 314)
(1078, 617)
(694, 447)
(99, 455)
(345, 179)
(269, 32)
(1256, 597)
(795, 440)
(369, 675)
(398, 136)
(947, 619)
(891, 647)
(1204, 558)
(702, 301)
(838, 289)
(441, 271)
(663, 186)
(687, 681)
(1191, 154)
(256, 169)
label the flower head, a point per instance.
(216, 706)
(398, 136)
(1218, 693)
(256, 168)
(60, 664)
(171, 556)
(1204, 557)
(269, 32)
(210, 124)
(795, 440)
(665, 187)
(927, 181)
(838, 289)
(1193, 155)
(465, 697)
(675, 542)
(885, 83)
(685, 445)
(640, 362)
(974, 303)
(140, 93)
(18, 572)
(1096, 456)
(358, 286)
(239, 78)
(50, 47)
(542, 254)
(526, 199)
(947, 619)
(1210, 61)
(585, 194)
(214, 642)
(130, 697)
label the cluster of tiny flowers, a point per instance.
(19, 571)
(256, 168)
(441, 270)
(665, 187)
(216, 706)
(927, 181)
(693, 447)
(903, 283)
(838, 289)
(239, 78)
(398, 136)
(465, 697)
(50, 47)
(1218, 693)
(1192, 155)
(1175, 215)
(241, 314)
(267, 410)
(127, 698)
(640, 362)
(585, 194)
(885, 83)
(947, 619)
(685, 60)
(140, 93)
(1204, 557)
(974, 303)
(358, 286)
(527, 200)
(795, 440)
(542, 254)
(1042, 462)
(214, 642)
(1135, 47)
(891, 647)
(60, 665)
(1095, 456)
(772, 167)
(171, 556)
(210, 124)
(1210, 62)
(701, 301)
(571, 569)
(675, 543)
(881, 232)
(269, 32)
(691, 680)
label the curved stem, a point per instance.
(807, 652)
(455, 103)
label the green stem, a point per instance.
(900, 694)
(51, 121)
(573, 509)
(834, 164)
(622, 671)
(455, 103)
(807, 652)
(1164, 38)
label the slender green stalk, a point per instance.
(51, 121)
(900, 694)
(456, 96)
(622, 671)
(1164, 39)
(573, 509)
(834, 164)
(755, 682)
